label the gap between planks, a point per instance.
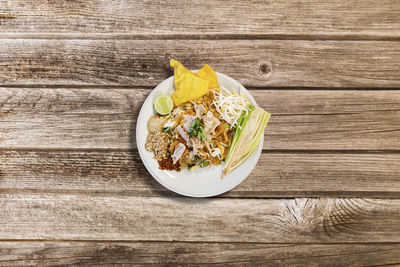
(191, 242)
(216, 36)
(271, 195)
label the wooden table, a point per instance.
(74, 75)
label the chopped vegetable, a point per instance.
(203, 163)
(196, 129)
(167, 129)
(193, 165)
(249, 130)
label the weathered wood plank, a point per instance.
(79, 217)
(284, 63)
(106, 118)
(220, 254)
(280, 17)
(276, 174)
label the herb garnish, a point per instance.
(203, 163)
(196, 129)
(196, 158)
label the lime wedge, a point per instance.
(163, 104)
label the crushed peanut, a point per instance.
(158, 143)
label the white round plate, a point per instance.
(202, 182)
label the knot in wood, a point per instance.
(265, 68)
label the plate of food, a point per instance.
(201, 133)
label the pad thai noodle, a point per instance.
(196, 134)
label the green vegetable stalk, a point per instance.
(250, 128)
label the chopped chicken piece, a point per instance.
(210, 123)
(184, 135)
(178, 152)
(188, 122)
(199, 108)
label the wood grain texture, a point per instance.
(79, 217)
(266, 63)
(106, 118)
(276, 174)
(73, 190)
(220, 254)
(292, 17)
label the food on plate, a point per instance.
(251, 125)
(207, 73)
(230, 105)
(163, 104)
(189, 85)
(193, 135)
(206, 124)
(157, 141)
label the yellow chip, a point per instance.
(207, 73)
(188, 85)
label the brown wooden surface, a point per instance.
(189, 253)
(283, 63)
(74, 74)
(81, 217)
(281, 17)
